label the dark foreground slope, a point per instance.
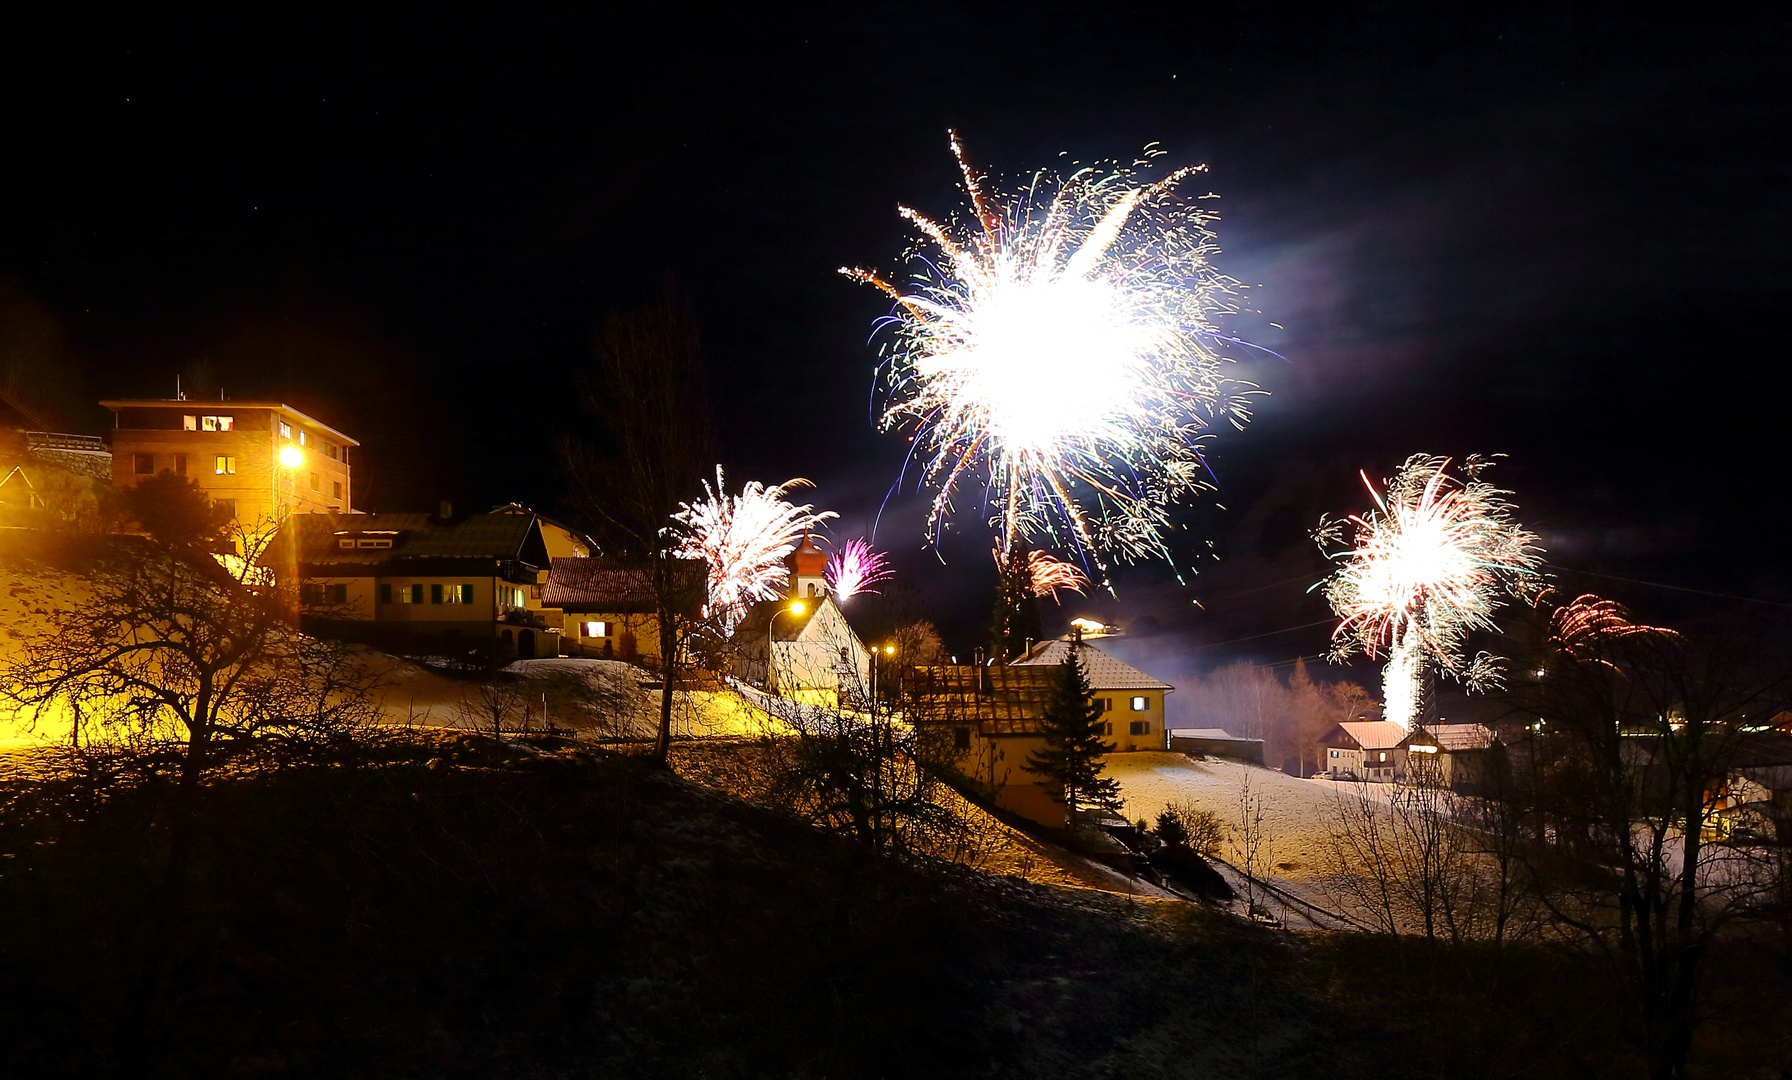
(461, 908)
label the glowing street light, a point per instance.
(292, 457)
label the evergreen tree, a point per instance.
(1072, 727)
(1015, 618)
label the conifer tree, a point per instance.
(1015, 618)
(1072, 726)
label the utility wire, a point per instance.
(1675, 588)
(1254, 637)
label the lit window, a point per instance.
(285, 430)
(1334, 753)
(217, 423)
(224, 465)
(301, 437)
(346, 543)
(1140, 704)
(189, 423)
(597, 629)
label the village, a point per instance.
(505, 620)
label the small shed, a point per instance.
(1451, 755)
(1216, 742)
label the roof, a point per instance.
(617, 584)
(1104, 671)
(199, 405)
(807, 560)
(1370, 734)
(1001, 699)
(1211, 734)
(417, 536)
(1455, 738)
(788, 628)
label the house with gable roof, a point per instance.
(1132, 702)
(1372, 750)
(608, 609)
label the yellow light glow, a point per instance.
(292, 457)
(797, 608)
(890, 649)
(1423, 749)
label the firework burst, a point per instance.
(854, 569)
(744, 539)
(1047, 573)
(1434, 560)
(1062, 348)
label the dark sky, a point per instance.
(1557, 232)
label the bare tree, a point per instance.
(646, 391)
(1252, 846)
(1631, 758)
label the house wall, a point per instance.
(1344, 759)
(261, 488)
(628, 636)
(1121, 716)
(999, 765)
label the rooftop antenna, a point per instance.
(179, 394)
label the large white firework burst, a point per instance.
(1434, 560)
(744, 539)
(1061, 347)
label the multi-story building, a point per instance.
(263, 459)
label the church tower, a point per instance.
(808, 570)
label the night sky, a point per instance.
(1558, 233)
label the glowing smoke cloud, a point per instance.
(854, 569)
(745, 539)
(1433, 561)
(1063, 349)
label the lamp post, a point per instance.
(797, 607)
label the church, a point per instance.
(801, 647)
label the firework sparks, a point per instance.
(1582, 628)
(1431, 563)
(854, 569)
(1048, 573)
(1064, 349)
(745, 539)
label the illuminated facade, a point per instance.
(263, 459)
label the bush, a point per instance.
(1184, 826)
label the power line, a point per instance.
(1254, 637)
(1257, 589)
(1661, 585)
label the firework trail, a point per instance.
(1434, 560)
(1061, 346)
(1580, 629)
(745, 539)
(854, 569)
(1047, 573)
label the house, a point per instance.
(1372, 750)
(410, 576)
(1454, 756)
(607, 607)
(986, 722)
(1132, 700)
(264, 460)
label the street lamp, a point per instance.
(797, 607)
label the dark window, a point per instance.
(314, 486)
(311, 593)
(227, 505)
(336, 489)
(386, 594)
(180, 464)
(416, 594)
(339, 593)
(1141, 727)
(146, 464)
(1107, 729)
(466, 594)
(961, 738)
(435, 594)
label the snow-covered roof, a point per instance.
(1453, 738)
(1373, 734)
(1211, 734)
(1104, 671)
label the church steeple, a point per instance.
(808, 570)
